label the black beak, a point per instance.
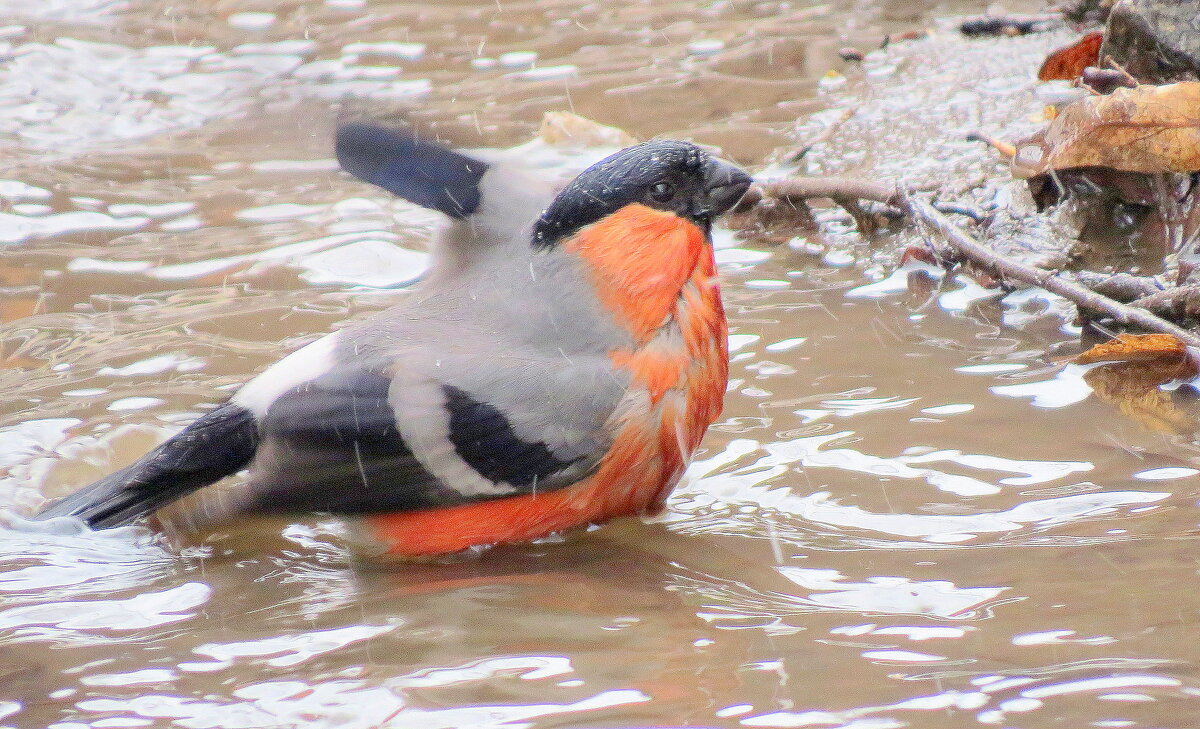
(725, 185)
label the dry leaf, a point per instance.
(1141, 362)
(1149, 129)
(1164, 349)
(1067, 64)
(564, 129)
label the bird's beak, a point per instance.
(725, 185)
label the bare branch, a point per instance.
(803, 188)
(1050, 280)
(824, 135)
(1178, 302)
(1006, 150)
(1123, 287)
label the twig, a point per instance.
(823, 135)
(1129, 77)
(845, 192)
(803, 188)
(1173, 302)
(1123, 287)
(1048, 280)
(1074, 286)
(966, 211)
(1005, 149)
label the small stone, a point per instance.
(1157, 41)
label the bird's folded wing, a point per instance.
(356, 441)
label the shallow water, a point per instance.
(910, 514)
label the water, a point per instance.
(910, 514)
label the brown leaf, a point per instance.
(1150, 129)
(1134, 348)
(564, 129)
(1140, 363)
(1161, 357)
(1067, 64)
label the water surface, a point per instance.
(910, 514)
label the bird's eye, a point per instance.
(662, 192)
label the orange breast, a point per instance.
(656, 273)
(639, 259)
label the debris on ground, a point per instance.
(1093, 194)
(564, 129)
(1086, 12)
(1157, 41)
(1072, 61)
(1008, 25)
(1147, 129)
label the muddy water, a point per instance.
(910, 514)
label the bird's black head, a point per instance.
(677, 177)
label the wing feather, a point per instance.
(335, 444)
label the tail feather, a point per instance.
(423, 172)
(220, 443)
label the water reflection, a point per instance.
(891, 594)
(752, 484)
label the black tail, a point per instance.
(423, 172)
(218, 444)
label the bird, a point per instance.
(557, 366)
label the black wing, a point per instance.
(334, 445)
(485, 439)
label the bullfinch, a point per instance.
(557, 367)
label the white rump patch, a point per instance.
(303, 365)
